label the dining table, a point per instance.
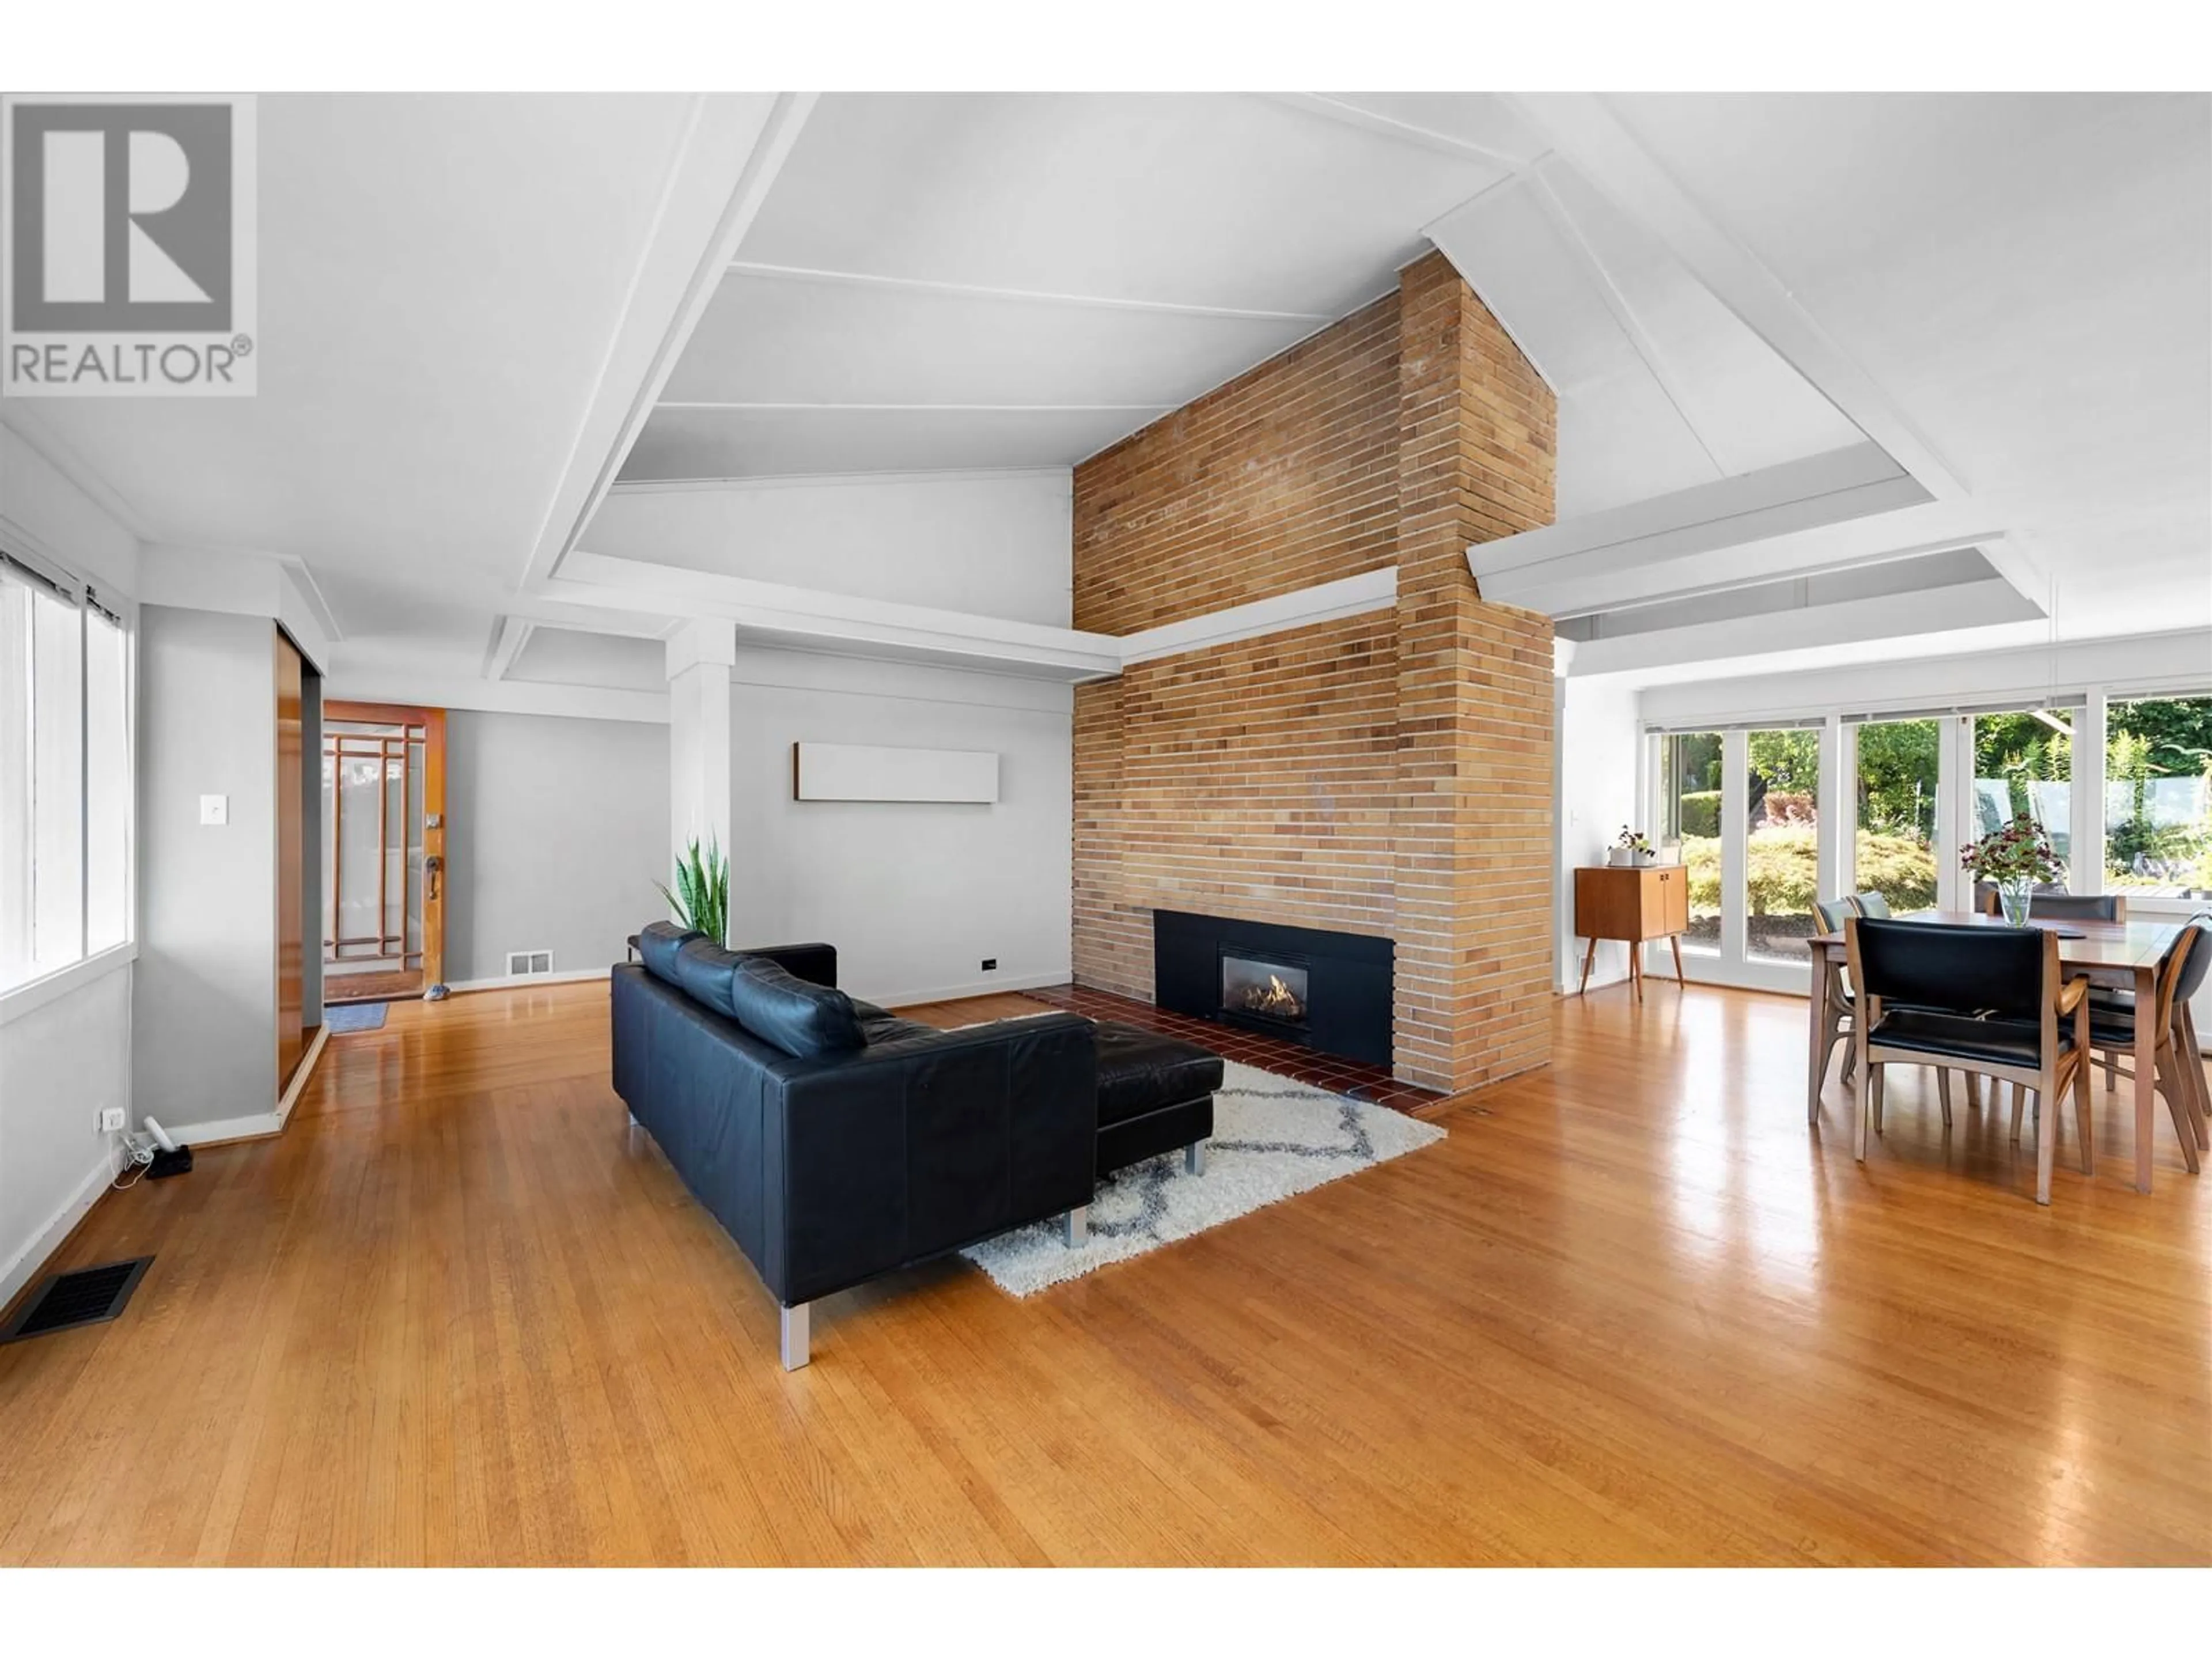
(2123, 954)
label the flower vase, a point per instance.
(2013, 897)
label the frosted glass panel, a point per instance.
(360, 814)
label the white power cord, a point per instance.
(140, 1151)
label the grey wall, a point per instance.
(203, 1016)
(914, 896)
(556, 830)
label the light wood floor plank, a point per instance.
(1629, 1311)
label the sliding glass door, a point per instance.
(1896, 786)
(1782, 851)
(1689, 820)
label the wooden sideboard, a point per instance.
(1634, 904)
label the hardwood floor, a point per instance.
(1629, 1311)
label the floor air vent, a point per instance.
(87, 1297)
(521, 963)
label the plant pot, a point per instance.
(1645, 860)
(1619, 858)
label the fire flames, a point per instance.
(1273, 998)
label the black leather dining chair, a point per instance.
(1990, 1001)
(2077, 906)
(2180, 1068)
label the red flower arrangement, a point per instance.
(2018, 853)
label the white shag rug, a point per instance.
(1273, 1139)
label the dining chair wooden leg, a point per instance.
(1973, 1082)
(1943, 1093)
(1863, 1099)
(2193, 1072)
(1874, 1085)
(2019, 1107)
(2112, 1072)
(2171, 1085)
(1850, 1066)
(2088, 1151)
(2047, 1138)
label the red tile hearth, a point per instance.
(1344, 1076)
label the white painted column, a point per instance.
(2086, 818)
(1735, 834)
(701, 655)
(1954, 811)
(1837, 807)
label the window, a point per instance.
(1782, 851)
(2158, 797)
(2024, 765)
(1899, 778)
(64, 776)
(1690, 814)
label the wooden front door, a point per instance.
(384, 856)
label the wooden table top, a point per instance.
(2082, 943)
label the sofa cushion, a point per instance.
(1140, 1071)
(805, 1021)
(703, 970)
(658, 942)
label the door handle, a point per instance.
(431, 866)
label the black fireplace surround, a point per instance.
(1329, 992)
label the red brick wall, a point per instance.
(1388, 774)
(1283, 478)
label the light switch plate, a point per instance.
(215, 809)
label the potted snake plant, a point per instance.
(700, 899)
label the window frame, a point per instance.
(39, 569)
(2090, 702)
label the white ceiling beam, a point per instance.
(735, 148)
(1592, 139)
(782, 612)
(841, 480)
(1693, 539)
(1988, 604)
(508, 640)
(750, 268)
(932, 408)
(1350, 596)
(1344, 112)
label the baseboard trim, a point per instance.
(28, 1263)
(515, 982)
(255, 1126)
(978, 989)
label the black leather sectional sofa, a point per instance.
(836, 1141)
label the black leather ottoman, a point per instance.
(1155, 1094)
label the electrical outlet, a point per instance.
(110, 1120)
(215, 809)
(990, 964)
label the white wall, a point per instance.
(60, 1065)
(1597, 795)
(63, 1054)
(205, 1025)
(556, 830)
(991, 543)
(914, 896)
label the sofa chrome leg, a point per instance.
(1193, 1158)
(796, 1327)
(1077, 1226)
